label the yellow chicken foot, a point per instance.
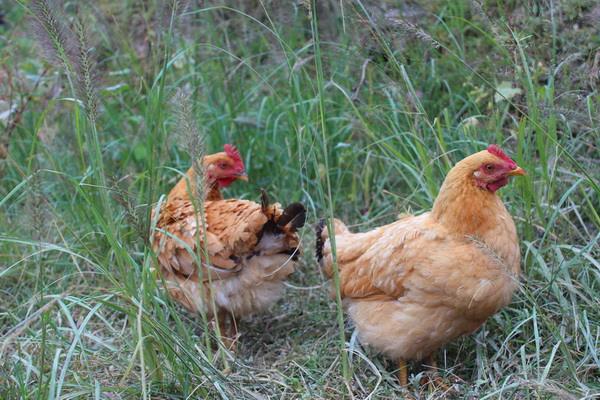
(403, 378)
(403, 373)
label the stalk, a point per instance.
(329, 195)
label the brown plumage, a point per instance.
(245, 252)
(414, 285)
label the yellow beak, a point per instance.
(243, 177)
(517, 172)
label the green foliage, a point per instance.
(358, 109)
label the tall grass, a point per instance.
(84, 312)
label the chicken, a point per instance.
(246, 251)
(420, 282)
(220, 169)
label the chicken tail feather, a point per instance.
(264, 200)
(320, 242)
(294, 216)
(278, 234)
(322, 232)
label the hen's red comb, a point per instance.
(497, 151)
(233, 152)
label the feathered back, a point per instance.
(234, 229)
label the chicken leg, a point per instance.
(433, 379)
(228, 330)
(403, 373)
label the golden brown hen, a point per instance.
(414, 285)
(246, 251)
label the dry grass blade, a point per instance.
(18, 329)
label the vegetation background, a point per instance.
(358, 108)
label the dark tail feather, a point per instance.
(319, 242)
(281, 229)
(264, 200)
(294, 215)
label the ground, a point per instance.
(356, 108)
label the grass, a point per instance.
(357, 108)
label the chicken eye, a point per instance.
(489, 167)
(222, 165)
